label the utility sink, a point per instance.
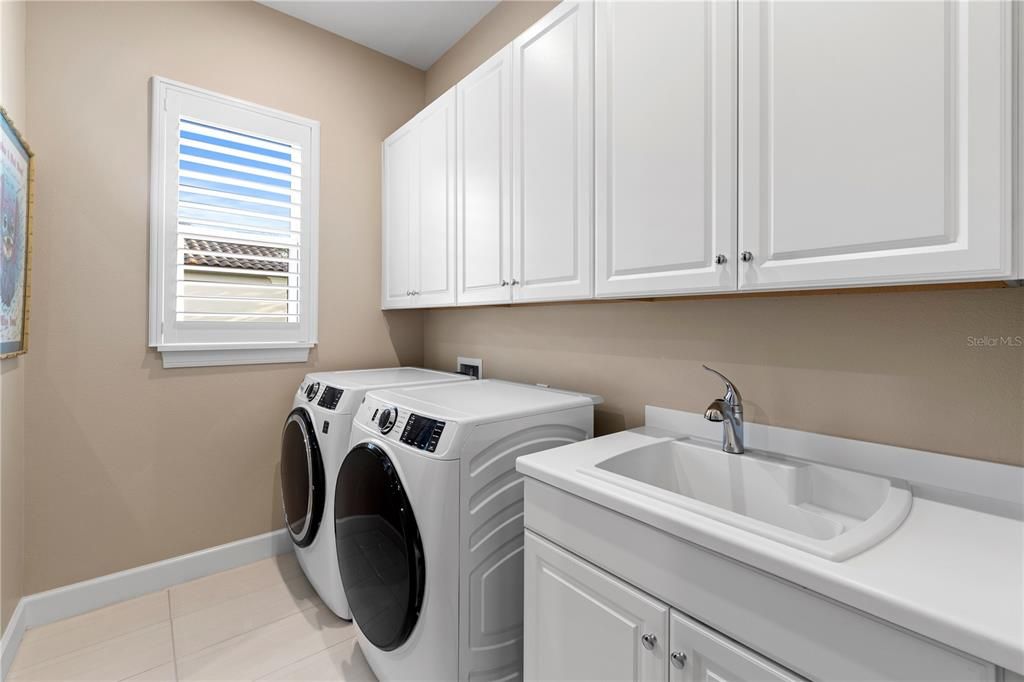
(827, 511)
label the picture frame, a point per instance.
(17, 180)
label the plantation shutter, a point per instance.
(234, 227)
(239, 226)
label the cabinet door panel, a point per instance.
(399, 207)
(700, 654)
(874, 142)
(485, 183)
(583, 624)
(435, 238)
(665, 156)
(552, 134)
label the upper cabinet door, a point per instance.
(582, 624)
(552, 158)
(484, 262)
(665, 157)
(399, 216)
(434, 242)
(875, 142)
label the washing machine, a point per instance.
(314, 441)
(428, 515)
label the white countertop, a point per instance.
(950, 573)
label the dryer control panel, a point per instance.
(430, 436)
(421, 432)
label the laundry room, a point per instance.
(368, 340)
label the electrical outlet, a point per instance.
(473, 367)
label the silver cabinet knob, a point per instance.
(678, 659)
(408, 293)
(504, 282)
(649, 640)
(746, 256)
(515, 282)
(720, 259)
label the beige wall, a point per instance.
(892, 367)
(127, 462)
(12, 371)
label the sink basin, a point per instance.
(830, 512)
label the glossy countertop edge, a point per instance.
(867, 581)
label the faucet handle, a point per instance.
(732, 395)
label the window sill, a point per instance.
(217, 355)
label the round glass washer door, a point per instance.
(380, 553)
(302, 478)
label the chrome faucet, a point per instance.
(727, 409)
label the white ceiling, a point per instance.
(416, 32)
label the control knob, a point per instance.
(386, 419)
(312, 390)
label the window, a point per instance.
(233, 230)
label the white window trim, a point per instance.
(216, 354)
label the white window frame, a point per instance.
(200, 344)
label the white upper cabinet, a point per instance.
(552, 156)
(435, 240)
(665, 155)
(1019, 169)
(645, 148)
(875, 142)
(484, 263)
(418, 238)
(399, 214)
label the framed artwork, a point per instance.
(16, 177)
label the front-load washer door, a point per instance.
(380, 553)
(302, 478)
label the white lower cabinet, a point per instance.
(584, 624)
(698, 653)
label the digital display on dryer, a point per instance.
(421, 432)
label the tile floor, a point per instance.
(262, 621)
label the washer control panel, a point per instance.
(330, 397)
(421, 432)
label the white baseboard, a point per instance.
(11, 640)
(71, 600)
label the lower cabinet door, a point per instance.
(697, 653)
(582, 624)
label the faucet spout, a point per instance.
(728, 410)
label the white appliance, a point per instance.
(429, 518)
(314, 441)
